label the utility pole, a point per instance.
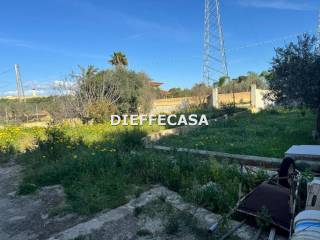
(7, 120)
(214, 61)
(20, 91)
(37, 113)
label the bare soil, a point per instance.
(27, 217)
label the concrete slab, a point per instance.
(304, 152)
(123, 213)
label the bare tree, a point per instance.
(200, 92)
(88, 91)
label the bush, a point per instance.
(55, 143)
(228, 108)
(6, 152)
(97, 178)
(172, 225)
(128, 140)
(27, 188)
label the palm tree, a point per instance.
(88, 72)
(118, 59)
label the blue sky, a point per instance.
(163, 38)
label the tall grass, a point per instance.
(267, 133)
(107, 174)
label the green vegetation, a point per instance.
(243, 83)
(174, 221)
(16, 139)
(210, 113)
(268, 133)
(33, 109)
(294, 79)
(225, 85)
(24, 137)
(118, 59)
(295, 73)
(106, 174)
(99, 93)
(7, 151)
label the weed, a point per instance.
(128, 140)
(162, 198)
(143, 232)
(264, 219)
(6, 152)
(84, 238)
(172, 225)
(59, 211)
(27, 188)
(137, 211)
(268, 133)
(96, 178)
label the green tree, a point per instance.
(201, 92)
(179, 92)
(243, 83)
(223, 80)
(89, 71)
(118, 59)
(136, 94)
(295, 75)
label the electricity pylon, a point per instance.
(215, 63)
(20, 91)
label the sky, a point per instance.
(164, 38)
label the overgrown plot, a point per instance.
(268, 133)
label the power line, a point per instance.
(265, 42)
(4, 72)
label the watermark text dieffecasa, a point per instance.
(162, 120)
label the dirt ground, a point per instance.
(156, 214)
(27, 217)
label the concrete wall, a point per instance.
(253, 100)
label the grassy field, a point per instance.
(102, 167)
(17, 139)
(107, 173)
(267, 133)
(20, 137)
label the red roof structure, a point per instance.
(155, 84)
(164, 92)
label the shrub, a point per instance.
(143, 232)
(172, 225)
(228, 108)
(6, 152)
(27, 188)
(54, 146)
(128, 140)
(97, 178)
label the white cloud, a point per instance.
(297, 5)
